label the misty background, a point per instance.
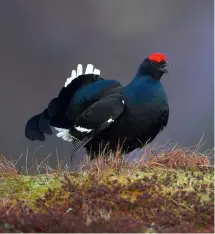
(42, 41)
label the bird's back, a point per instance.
(89, 94)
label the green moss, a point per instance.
(147, 194)
(26, 188)
(30, 188)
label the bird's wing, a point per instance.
(89, 94)
(99, 116)
(58, 106)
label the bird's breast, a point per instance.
(140, 117)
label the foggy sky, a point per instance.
(42, 41)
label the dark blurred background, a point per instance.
(42, 41)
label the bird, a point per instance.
(100, 114)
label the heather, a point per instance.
(170, 192)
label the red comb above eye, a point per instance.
(157, 57)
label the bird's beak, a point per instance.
(165, 68)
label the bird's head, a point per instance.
(154, 65)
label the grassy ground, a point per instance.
(171, 192)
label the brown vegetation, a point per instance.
(170, 192)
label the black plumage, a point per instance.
(103, 114)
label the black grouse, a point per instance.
(98, 114)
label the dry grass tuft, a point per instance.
(7, 168)
(179, 158)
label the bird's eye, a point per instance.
(153, 63)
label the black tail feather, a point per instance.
(32, 130)
(44, 122)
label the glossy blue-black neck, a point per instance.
(151, 69)
(144, 87)
(141, 72)
(142, 77)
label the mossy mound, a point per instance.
(117, 198)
